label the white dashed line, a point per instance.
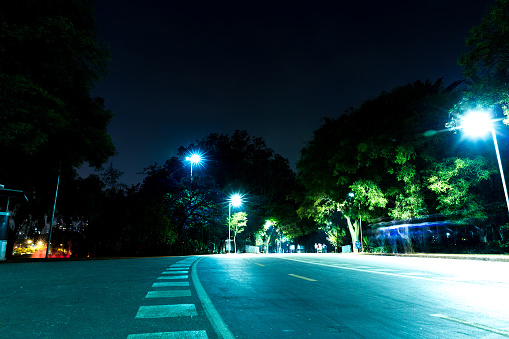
(166, 311)
(171, 335)
(177, 271)
(473, 324)
(174, 277)
(171, 284)
(168, 294)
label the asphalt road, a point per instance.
(255, 296)
(101, 299)
(350, 296)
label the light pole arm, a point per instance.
(500, 167)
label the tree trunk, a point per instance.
(354, 232)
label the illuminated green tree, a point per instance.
(380, 153)
(238, 223)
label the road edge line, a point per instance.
(215, 319)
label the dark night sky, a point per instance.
(181, 70)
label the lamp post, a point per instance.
(193, 158)
(477, 123)
(351, 195)
(235, 200)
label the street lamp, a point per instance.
(351, 195)
(193, 158)
(236, 201)
(477, 123)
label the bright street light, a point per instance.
(236, 201)
(194, 158)
(478, 123)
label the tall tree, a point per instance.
(49, 60)
(486, 63)
(378, 153)
(241, 162)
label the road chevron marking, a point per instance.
(472, 324)
(298, 276)
(176, 271)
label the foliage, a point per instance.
(49, 60)
(382, 162)
(335, 236)
(242, 163)
(486, 63)
(454, 180)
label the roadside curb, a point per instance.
(33, 260)
(479, 257)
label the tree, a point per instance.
(335, 236)
(193, 206)
(49, 61)
(486, 63)
(242, 162)
(382, 162)
(456, 181)
(238, 223)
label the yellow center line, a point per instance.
(259, 264)
(298, 276)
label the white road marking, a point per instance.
(171, 335)
(175, 272)
(166, 311)
(384, 270)
(181, 266)
(171, 284)
(301, 277)
(416, 274)
(215, 319)
(472, 324)
(174, 277)
(401, 274)
(168, 294)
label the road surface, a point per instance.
(256, 296)
(351, 296)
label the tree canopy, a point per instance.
(381, 161)
(50, 123)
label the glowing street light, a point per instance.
(478, 123)
(236, 201)
(194, 158)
